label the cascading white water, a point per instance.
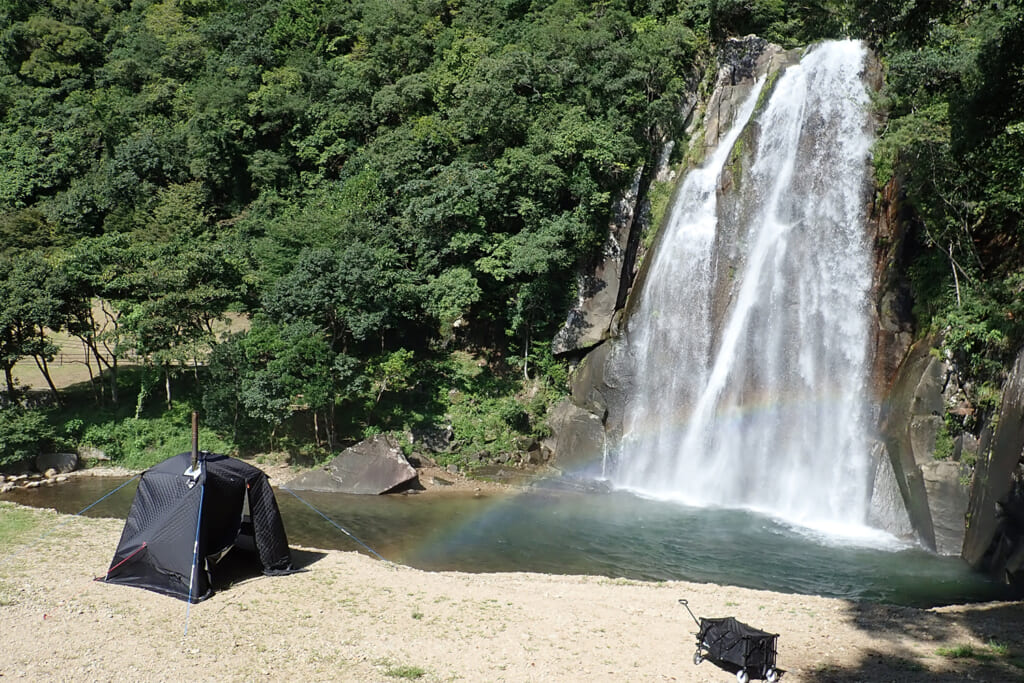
(764, 407)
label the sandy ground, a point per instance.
(352, 618)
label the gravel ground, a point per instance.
(352, 618)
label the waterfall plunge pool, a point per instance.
(605, 534)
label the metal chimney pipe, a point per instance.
(195, 440)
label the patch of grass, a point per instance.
(406, 671)
(16, 524)
(417, 615)
(957, 652)
(619, 581)
(989, 651)
(7, 598)
(908, 665)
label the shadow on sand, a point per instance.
(989, 638)
(240, 566)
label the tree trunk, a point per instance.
(9, 378)
(146, 383)
(330, 423)
(956, 279)
(45, 370)
(113, 380)
(234, 419)
(112, 365)
(90, 344)
(92, 378)
(167, 385)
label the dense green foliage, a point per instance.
(377, 189)
(955, 143)
(374, 185)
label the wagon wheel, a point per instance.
(742, 676)
(771, 675)
(698, 657)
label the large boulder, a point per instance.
(92, 453)
(888, 508)
(935, 492)
(578, 439)
(62, 463)
(945, 482)
(374, 466)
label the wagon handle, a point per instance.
(683, 602)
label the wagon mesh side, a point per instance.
(729, 641)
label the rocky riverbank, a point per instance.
(430, 478)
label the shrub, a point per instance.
(141, 443)
(23, 434)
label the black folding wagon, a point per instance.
(734, 646)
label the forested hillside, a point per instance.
(395, 197)
(955, 144)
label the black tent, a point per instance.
(183, 520)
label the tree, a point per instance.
(24, 434)
(28, 312)
(264, 376)
(355, 294)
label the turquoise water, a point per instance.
(615, 535)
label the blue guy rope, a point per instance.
(91, 505)
(195, 555)
(65, 521)
(335, 524)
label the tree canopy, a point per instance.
(372, 184)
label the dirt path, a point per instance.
(351, 618)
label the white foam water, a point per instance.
(764, 407)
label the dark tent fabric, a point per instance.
(173, 510)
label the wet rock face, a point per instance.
(935, 492)
(599, 387)
(741, 58)
(994, 540)
(888, 508)
(972, 502)
(602, 290)
(891, 313)
(578, 439)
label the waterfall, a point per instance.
(749, 342)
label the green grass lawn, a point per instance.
(16, 526)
